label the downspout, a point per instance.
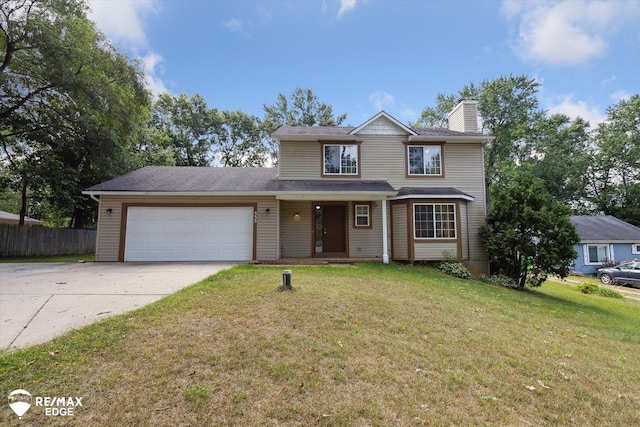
(385, 243)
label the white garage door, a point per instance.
(189, 234)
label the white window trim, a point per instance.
(635, 249)
(324, 160)
(409, 147)
(355, 216)
(455, 222)
(585, 250)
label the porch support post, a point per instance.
(385, 243)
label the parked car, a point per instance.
(627, 273)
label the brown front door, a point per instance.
(330, 230)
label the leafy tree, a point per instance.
(240, 140)
(560, 156)
(302, 108)
(190, 126)
(436, 117)
(528, 235)
(614, 176)
(152, 146)
(69, 103)
(508, 107)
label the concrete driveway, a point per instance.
(40, 301)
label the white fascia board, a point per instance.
(342, 196)
(434, 196)
(609, 242)
(175, 193)
(427, 138)
(284, 195)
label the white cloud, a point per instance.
(621, 95)
(346, 6)
(234, 25)
(608, 80)
(573, 109)
(151, 63)
(569, 32)
(123, 20)
(380, 99)
(123, 23)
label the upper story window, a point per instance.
(424, 160)
(340, 159)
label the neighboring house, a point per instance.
(604, 239)
(9, 218)
(379, 191)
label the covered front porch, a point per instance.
(336, 222)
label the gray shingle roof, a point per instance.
(312, 130)
(176, 179)
(9, 217)
(605, 229)
(191, 179)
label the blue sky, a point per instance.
(363, 56)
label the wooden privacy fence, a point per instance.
(17, 241)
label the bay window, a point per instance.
(434, 221)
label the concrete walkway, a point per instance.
(42, 300)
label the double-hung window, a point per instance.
(340, 159)
(635, 248)
(434, 221)
(424, 160)
(362, 213)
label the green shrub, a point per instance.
(455, 269)
(502, 280)
(591, 289)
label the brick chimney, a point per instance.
(464, 117)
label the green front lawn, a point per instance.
(370, 344)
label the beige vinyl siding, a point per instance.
(383, 157)
(366, 242)
(464, 230)
(109, 232)
(464, 118)
(296, 235)
(433, 251)
(400, 232)
(300, 160)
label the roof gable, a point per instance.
(382, 124)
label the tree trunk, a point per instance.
(78, 219)
(23, 206)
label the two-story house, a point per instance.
(379, 191)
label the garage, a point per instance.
(179, 233)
